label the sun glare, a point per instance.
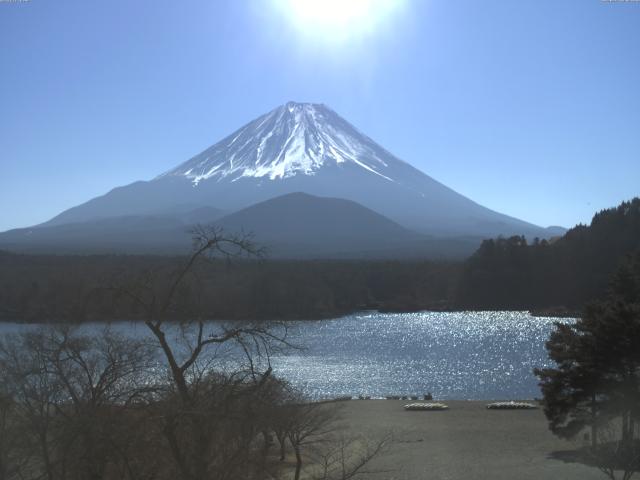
(336, 20)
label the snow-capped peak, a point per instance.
(293, 139)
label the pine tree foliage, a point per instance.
(596, 378)
(512, 273)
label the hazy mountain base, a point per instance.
(296, 225)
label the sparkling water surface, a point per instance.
(453, 355)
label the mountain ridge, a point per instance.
(304, 147)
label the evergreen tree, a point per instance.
(570, 391)
(597, 373)
(564, 273)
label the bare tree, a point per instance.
(197, 413)
(69, 392)
(318, 439)
(309, 426)
(13, 455)
(347, 457)
(35, 392)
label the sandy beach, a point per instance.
(468, 441)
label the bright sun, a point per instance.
(337, 19)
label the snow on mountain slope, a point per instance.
(293, 139)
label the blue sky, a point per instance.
(531, 108)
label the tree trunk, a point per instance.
(44, 445)
(594, 427)
(627, 433)
(169, 432)
(176, 372)
(282, 440)
(267, 439)
(296, 449)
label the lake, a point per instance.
(453, 355)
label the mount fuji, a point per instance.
(297, 147)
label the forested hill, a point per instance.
(565, 273)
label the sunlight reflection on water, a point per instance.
(463, 355)
(453, 355)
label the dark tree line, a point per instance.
(511, 273)
(72, 288)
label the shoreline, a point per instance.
(467, 441)
(548, 313)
